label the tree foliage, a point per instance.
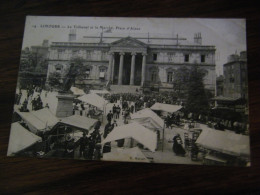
(55, 79)
(181, 77)
(197, 96)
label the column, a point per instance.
(113, 70)
(143, 68)
(121, 64)
(132, 76)
(111, 57)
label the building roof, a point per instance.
(153, 42)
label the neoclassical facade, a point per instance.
(129, 61)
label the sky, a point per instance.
(227, 35)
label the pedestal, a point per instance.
(65, 105)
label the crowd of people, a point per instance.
(36, 102)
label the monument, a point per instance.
(65, 96)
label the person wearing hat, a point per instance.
(83, 143)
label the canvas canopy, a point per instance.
(39, 120)
(79, 122)
(99, 92)
(147, 115)
(20, 138)
(125, 154)
(166, 107)
(136, 131)
(225, 142)
(93, 99)
(77, 91)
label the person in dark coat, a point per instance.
(83, 144)
(97, 125)
(114, 111)
(109, 116)
(177, 146)
(118, 110)
(107, 129)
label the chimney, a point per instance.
(197, 38)
(72, 35)
(45, 43)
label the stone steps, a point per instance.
(124, 88)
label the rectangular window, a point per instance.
(153, 76)
(170, 57)
(60, 51)
(202, 58)
(155, 57)
(186, 58)
(170, 77)
(87, 72)
(88, 54)
(103, 55)
(102, 73)
(75, 53)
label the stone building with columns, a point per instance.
(132, 61)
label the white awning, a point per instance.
(148, 113)
(20, 138)
(166, 107)
(136, 131)
(77, 91)
(225, 142)
(81, 122)
(99, 91)
(125, 154)
(93, 99)
(39, 120)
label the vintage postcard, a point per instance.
(154, 90)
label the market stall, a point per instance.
(136, 132)
(227, 145)
(76, 91)
(21, 139)
(149, 119)
(39, 121)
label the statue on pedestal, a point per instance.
(69, 79)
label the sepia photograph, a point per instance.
(148, 90)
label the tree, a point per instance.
(197, 100)
(28, 62)
(55, 79)
(181, 77)
(79, 66)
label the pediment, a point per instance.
(129, 42)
